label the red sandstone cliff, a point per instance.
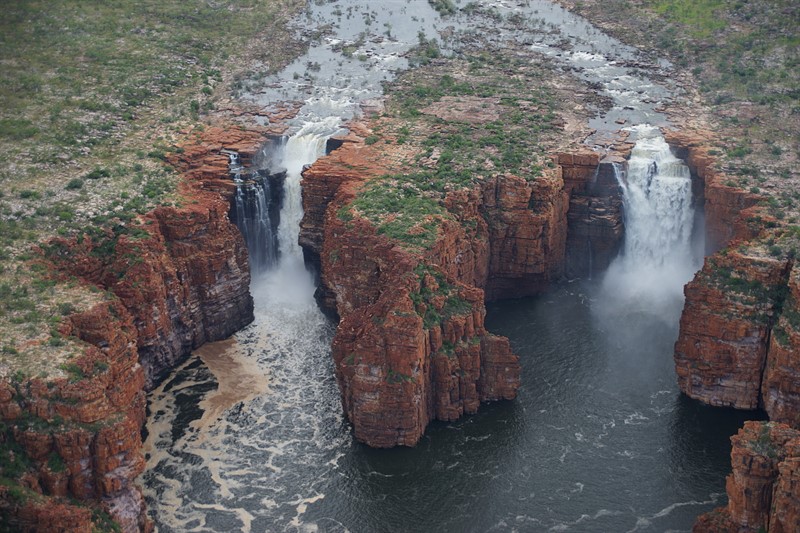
(764, 488)
(81, 434)
(738, 340)
(411, 345)
(177, 277)
(780, 388)
(730, 307)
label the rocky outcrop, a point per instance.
(738, 339)
(527, 234)
(181, 271)
(731, 305)
(763, 490)
(80, 436)
(595, 224)
(780, 387)
(411, 346)
(176, 277)
(738, 346)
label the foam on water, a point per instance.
(283, 458)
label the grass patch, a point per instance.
(455, 152)
(424, 300)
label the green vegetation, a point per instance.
(93, 96)
(763, 444)
(398, 377)
(13, 460)
(423, 300)
(702, 17)
(444, 7)
(744, 57)
(454, 150)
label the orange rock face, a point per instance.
(411, 345)
(781, 384)
(738, 342)
(763, 490)
(730, 306)
(53, 517)
(527, 234)
(179, 280)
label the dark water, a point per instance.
(598, 440)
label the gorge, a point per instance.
(477, 199)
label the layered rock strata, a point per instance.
(738, 342)
(731, 305)
(411, 346)
(764, 488)
(176, 278)
(595, 224)
(726, 206)
(780, 387)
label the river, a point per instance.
(250, 435)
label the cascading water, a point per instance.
(296, 419)
(251, 208)
(599, 438)
(289, 283)
(657, 259)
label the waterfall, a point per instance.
(288, 283)
(657, 258)
(657, 192)
(251, 207)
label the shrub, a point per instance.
(74, 183)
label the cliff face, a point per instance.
(182, 273)
(726, 207)
(411, 345)
(738, 338)
(781, 384)
(595, 220)
(527, 234)
(80, 435)
(725, 327)
(763, 490)
(176, 278)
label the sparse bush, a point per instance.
(74, 184)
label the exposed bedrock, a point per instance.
(595, 219)
(738, 341)
(764, 488)
(780, 386)
(176, 278)
(184, 276)
(725, 327)
(411, 345)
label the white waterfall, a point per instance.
(657, 259)
(289, 285)
(658, 205)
